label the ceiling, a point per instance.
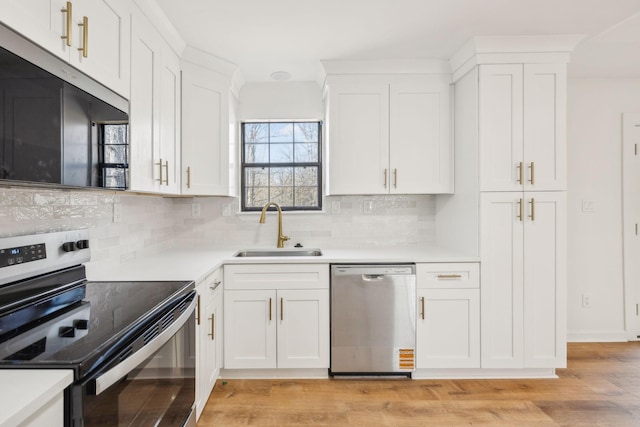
(264, 36)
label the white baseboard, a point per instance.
(259, 374)
(597, 336)
(484, 373)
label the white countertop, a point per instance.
(24, 391)
(185, 262)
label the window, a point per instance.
(113, 161)
(281, 163)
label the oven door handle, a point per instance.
(116, 373)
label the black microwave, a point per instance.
(58, 126)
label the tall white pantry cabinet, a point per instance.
(511, 128)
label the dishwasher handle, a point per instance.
(372, 277)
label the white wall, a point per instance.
(281, 101)
(595, 268)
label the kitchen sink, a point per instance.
(277, 252)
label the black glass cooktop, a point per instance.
(84, 333)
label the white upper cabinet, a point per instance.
(92, 35)
(522, 127)
(389, 135)
(420, 147)
(358, 138)
(205, 131)
(154, 111)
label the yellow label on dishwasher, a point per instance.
(406, 358)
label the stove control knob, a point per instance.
(81, 324)
(69, 246)
(67, 332)
(82, 244)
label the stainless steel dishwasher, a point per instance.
(373, 319)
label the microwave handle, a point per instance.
(116, 373)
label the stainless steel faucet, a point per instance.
(281, 238)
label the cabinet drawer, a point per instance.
(452, 275)
(276, 276)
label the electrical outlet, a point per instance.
(117, 213)
(335, 207)
(195, 210)
(588, 206)
(367, 206)
(226, 210)
(586, 300)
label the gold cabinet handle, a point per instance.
(198, 311)
(449, 276)
(160, 164)
(269, 309)
(281, 308)
(68, 23)
(385, 178)
(519, 168)
(188, 176)
(422, 307)
(532, 171)
(532, 215)
(166, 175)
(85, 37)
(213, 327)
(395, 178)
(520, 210)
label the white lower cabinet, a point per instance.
(523, 247)
(448, 329)
(208, 337)
(276, 316)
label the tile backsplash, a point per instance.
(125, 224)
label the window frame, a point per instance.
(293, 164)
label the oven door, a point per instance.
(149, 383)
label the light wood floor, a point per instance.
(600, 387)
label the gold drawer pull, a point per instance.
(68, 11)
(213, 327)
(85, 37)
(198, 311)
(449, 276)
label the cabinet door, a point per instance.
(544, 280)
(448, 330)
(501, 272)
(218, 325)
(146, 46)
(103, 51)
(500, 127)
(545, 109)
(170, 120)
(250, 329)
(200, 356)
(303, 328)
(420, 148)
(42, 21)
(205, 132)
(359, 138)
